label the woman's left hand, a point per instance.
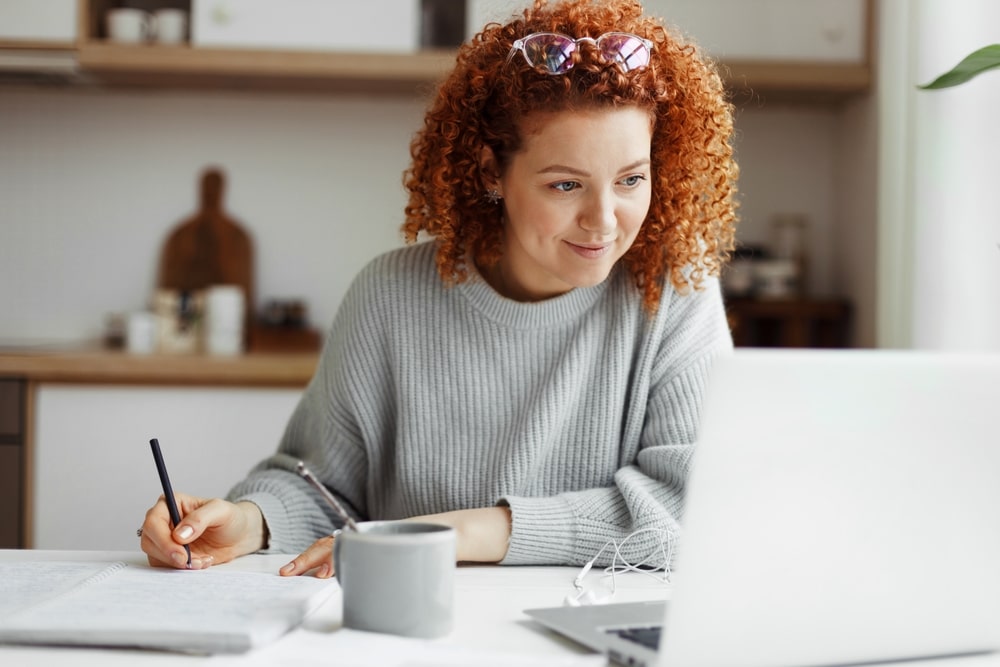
(319, 556)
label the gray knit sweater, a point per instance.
(578, 412)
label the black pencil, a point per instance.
(168, 490)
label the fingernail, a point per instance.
(179, 558)
(288, 568)
(324, 571)
(185, 532)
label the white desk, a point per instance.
(490, 628)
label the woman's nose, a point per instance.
(599, 216)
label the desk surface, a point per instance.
(490, 628)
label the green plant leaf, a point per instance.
(973, 65)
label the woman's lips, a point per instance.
(589, 251)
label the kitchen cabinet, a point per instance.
(799, 322)
(317, 25)
(791, 31)
(38, 40)
(782, 49)
(76, 471)
(782, 75)
(94, 476)
(12, 461)
(38, 22)
(242, 67)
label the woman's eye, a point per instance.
(566, 186)
(633, 180)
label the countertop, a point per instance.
(114, 367)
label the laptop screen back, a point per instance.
(843, 507)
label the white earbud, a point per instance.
(646, 566)
(578, 582)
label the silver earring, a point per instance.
(493, 196)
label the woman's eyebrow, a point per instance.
(564, 169)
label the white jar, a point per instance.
(140, 332)
(225, 308)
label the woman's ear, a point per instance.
(489, 171)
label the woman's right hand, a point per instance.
(216, 530)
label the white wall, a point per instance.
(941, 260)
(957, 258)
(92, 181)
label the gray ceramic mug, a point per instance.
(397, 577)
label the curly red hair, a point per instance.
(689, 230)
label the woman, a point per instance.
(532, 374)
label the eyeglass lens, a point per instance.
(553, 52)
(626, 50)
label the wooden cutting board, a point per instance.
(209, 248)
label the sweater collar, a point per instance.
(528, 315)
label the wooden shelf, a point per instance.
(753, 82)
(104, 367)
(185, 67)
(188, 67)
(94, 61)
(35, 45)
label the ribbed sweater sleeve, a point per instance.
(659, 438)
(579, 412)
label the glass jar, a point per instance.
(790, 231)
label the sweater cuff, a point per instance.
(543, 531)
(275, 519)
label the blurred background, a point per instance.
(129, 127)
(308, 106)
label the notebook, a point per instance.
(89, 603)
(843, 508)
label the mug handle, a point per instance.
(336, 554)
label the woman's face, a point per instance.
(575, 197)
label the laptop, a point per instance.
(843, 507)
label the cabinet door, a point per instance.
(11, 409)
(10, 497)
(94, 476)
(38, 20)
(773, 30)
(11, 453)
(307, 24)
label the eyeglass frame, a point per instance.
(519, 45)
